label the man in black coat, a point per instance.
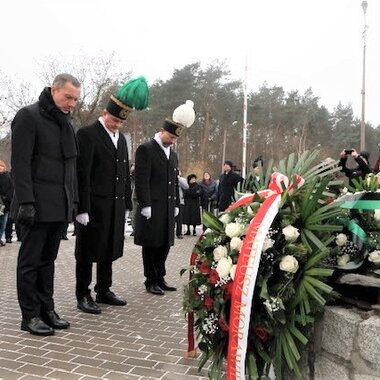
(362, 160)
(44, 152)
(156, 186)
(227, 184)
(104, 196)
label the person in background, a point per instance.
(104, 196)
(156, 176)
(182, 185)
(134, 200)
(6, 194)
(362, 159)
(209, 193)
(192, 213)
(44, 153)
(227, 184)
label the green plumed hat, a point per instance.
(132, 95)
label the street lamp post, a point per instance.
(225, 142)
(244, 155)
(362, 122)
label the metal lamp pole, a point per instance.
(362, 122)
(244, 158)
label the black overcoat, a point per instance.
(104, 193)
(40, 173)
(156, 185)
(226, 189)
(192, 212)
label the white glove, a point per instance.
(147, 212)
(83, 218)
(176, 211)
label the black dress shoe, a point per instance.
(8, 240)
(165, 286)
(110, 298)
(88, 305)
(155, 289)
(187, 233)
(36, 326)
(64, 237)
(179, 237)
(52, 319)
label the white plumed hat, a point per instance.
(183, 116)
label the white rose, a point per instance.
(233, 271)
(291, 233)
(225, 218)
(224, 266)
(268, 243)
(249, 210)
(219, 252)
(289, 264)
(374, 257)
(343, 260)
(236, 243)
(341, 239)
(377, 215)
(344, 190)
(233, 229)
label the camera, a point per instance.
(348, 151)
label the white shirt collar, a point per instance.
(113, 135)
(159, 142)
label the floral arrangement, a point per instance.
(358, 245)
(290, 288)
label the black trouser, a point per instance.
(154, 259)
(35, 267)
(178, 221)
(84, 277)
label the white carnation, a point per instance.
(225, 218)
(219, 252)
(233, 271)
(377, 215)
(341, 239)
(343, 260)
(224, 266)
(291, 233)
(374, 257)
(233, 229)
(268, 243)
(236, 243)
(289, 264)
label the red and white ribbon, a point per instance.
(246, 271)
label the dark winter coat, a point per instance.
(192, 212)
(41, 175)
(6, 190)
(226, 189)
(104, 193)
(209, 194)
(156, 185)
(360, 171)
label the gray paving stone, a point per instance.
(144, 340)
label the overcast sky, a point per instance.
(295, 44)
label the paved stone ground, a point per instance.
(144, 340)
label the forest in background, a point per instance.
(279, 121)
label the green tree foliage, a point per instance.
(279, 122)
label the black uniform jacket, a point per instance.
(104, 193)
(156, 185)
(40, 173)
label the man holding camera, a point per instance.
(362, 159)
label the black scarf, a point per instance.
(69, 143)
